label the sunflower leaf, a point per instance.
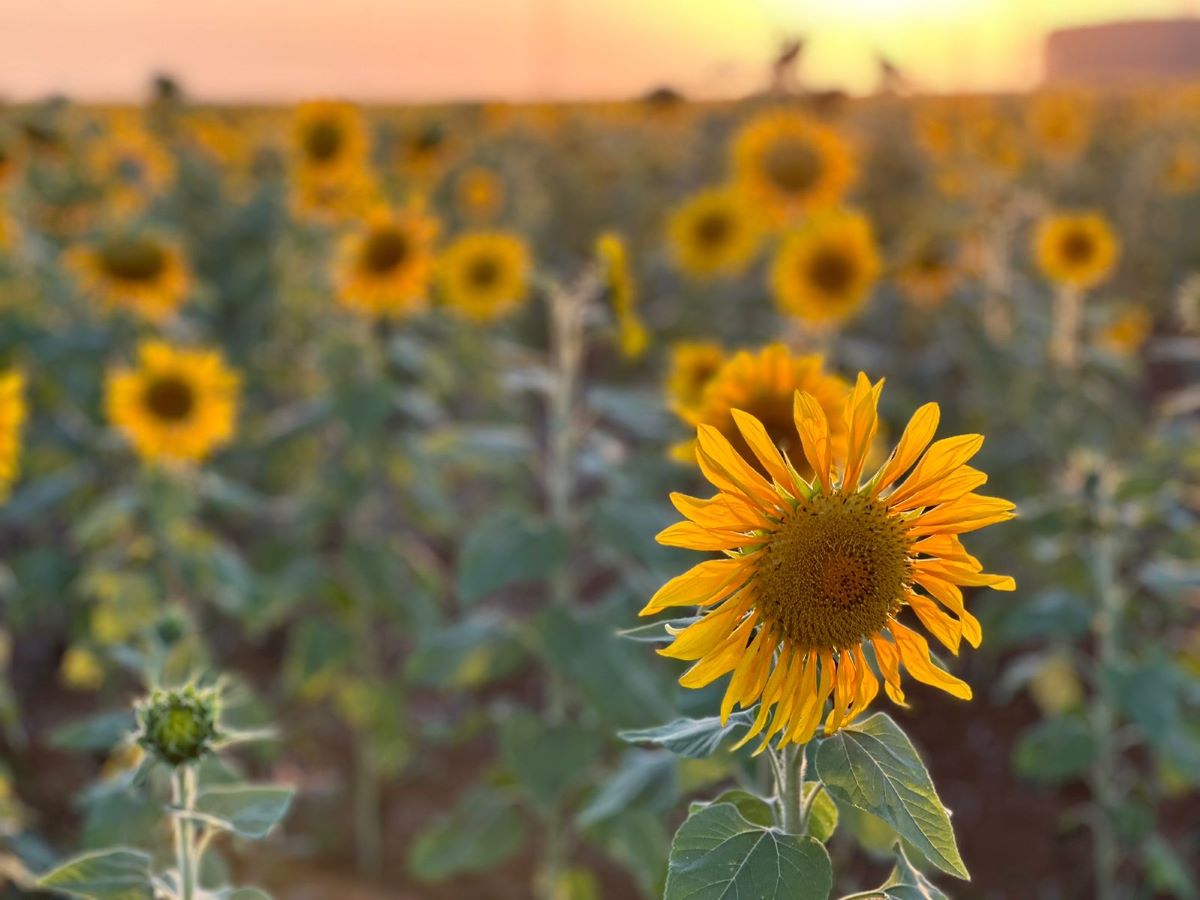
(693, 738)
(116, 874)
(718, 854)
(873, 766)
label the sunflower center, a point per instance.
(834, 572)
(1077, 247)
(713, 229)
(483, 272)
(323, 141)
(385, 250)
(133, 259)
(831, 271)
(792, 165)
(170, 398)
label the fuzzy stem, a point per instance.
(793, 763)
(1068, 318)
(183, 790)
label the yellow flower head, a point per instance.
(384, 267)
(130, 164)
(139, 273)
(484, 275)
(1125, 334)
(715, 232)
(1061, 124)
(824, 272)
(12, 424)
(763, 383)
(425, 150)
(176, 405)
(1181, 169)
(930, 274)
(329, 140)
(791, 164)
(479, 194)
(622, 290)
(1078, 250)
(814, 569)
(693, 365)
(81, 670)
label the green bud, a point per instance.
(178, 725)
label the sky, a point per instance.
(425, 50)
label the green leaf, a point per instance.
(754, 809)
(97, 734)
(693, 738)
(547, 759)
(639, 842)
(1166, 871)
(823, 815)
(907, 882)
(718, 855)
(250, 811)
(873, 766)
(647, 779)
(1148, 695)
(116, 874)
(507, 548)
(1055, 750)
(466, 654)
(482, 831)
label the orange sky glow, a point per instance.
(420, 50)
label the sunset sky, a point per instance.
(452, 49)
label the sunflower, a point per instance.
(715, 232)
(337, 199)
(130, 165)
(12, 424)
(1061, 124)
(825, 271)
(622, 290)
(425, 150)
(329, 140)
(928, 276)
(693, 365)
(1126, 334)
(384, 268)
(484, 275)
(479, 194)
(177, 404)
(1078, 250)
(763, 384)
(138, 272)
(791, 164)
(1180, 172)
(814, 570)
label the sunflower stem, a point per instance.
(183, 793)
(1068, 318)
(793, 764)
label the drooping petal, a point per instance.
(946, 629)
(914, 652)
(770, 694)
(701, 638)
(888, 658)
(868, 686)
(951, 597)
(751, 673)
(723, 658)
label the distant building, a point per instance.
(1121, 53)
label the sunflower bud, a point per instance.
(178, 725)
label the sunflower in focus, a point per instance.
(815, 569)
(791, 164)
(714, 233)
(12, 424)
(177, 404)
(622, 291)
(130, 164)
(693, 365)
(384, 268)
(1077, 250)
(930, 274)
(484, 275)
(479, 194)
(763, 383)
(139, 273)
(824, 272)
(329, 140)
(1061, 124)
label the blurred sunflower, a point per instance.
(824, 272)
(1126, 334)
(1078, 250)
(693, 365)
(329, 140)
(12, 423)
(384, 267)
(1061, 124)
(425, 151)
(130, 164)
(1181, 169)
(791, 164)
(816, 569)
(177, 404)
(622, 291)
(928, 276)
(479, 194)
(763, 383)
(136, 272)
(335, 199)
(484, 275)
(714, 232)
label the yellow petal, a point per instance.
(701, 585)
(721, 659)
(701, 638)
(690, 536)
(946, 629)
(914, 652)
(862, 422)
(814, 437)
(942, 458)
(765, 450)
(916, 437)
(716, 455)
(968, 513)
(953, 486)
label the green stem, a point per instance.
(791, 788)
(183, 790)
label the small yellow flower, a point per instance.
(714, 233)
(622, 290)
(130, 164)
(693, 365)
(824, 272)
(1078, 250)
(81, 670)
(484, 275)
(791, 164)
(176, 405)
(384, 267)
(12, 425)
(930, 274)
(425, 150)
(479, 194)
(140, 273)
(319, 197)
(1061, 124)
(329, 140)
(1126, 334)
(804, 605)
(1181, 169)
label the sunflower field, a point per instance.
(658, 499)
